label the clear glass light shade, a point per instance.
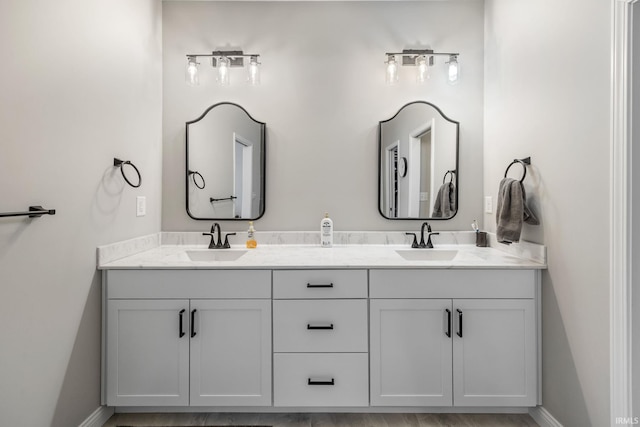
(392, 71)
(191, 73)
(453, 71)
(223, 71)
(253, 75)
(422, 62)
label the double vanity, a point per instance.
(296, 327)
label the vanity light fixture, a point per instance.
(392, 70)
(191, 74)
(423, 59)
(224, 60)
(454, 70)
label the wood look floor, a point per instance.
(324, 420)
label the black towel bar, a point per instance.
(524, 162)
(33, 212)
(211, 199)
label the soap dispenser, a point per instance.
(326, 231)
(251, 239)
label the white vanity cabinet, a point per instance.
(179, 338)
(320, 340)
(454, 337)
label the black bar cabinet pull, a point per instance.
(459, 323)
(193, 323)
(321, 382)
(321, 285)
(33, 212)
(448, 333)
(310, 326)
(181, 328)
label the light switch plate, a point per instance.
(141, 206)
(488, 204)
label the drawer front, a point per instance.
(320, 326)
(171, 284)
(305, 284)
(416, 283)
(327, 379)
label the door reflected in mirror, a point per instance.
(225, 164)
(418, 164)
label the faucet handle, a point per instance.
(415, 239)
(226, 240)
(429, 244)
(211, 243)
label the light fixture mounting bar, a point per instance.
(236, 57)
(409, 55)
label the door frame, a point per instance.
(620, 213)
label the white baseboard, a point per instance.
(543, 417)
(98, 417)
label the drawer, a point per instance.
(305, 284)
(320, 326)
(321, 379)
(161, 284)
(447, 283)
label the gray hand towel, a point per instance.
(512, 211)
(445, 204)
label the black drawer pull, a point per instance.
(321, 382)
(448, 333)
(193, 323)
(320, 285)
(459, 323)
(181, 334)
(310, 326)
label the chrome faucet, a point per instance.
(422, 244)
(218, 244)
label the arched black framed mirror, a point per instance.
(418, 164)
(227, 149)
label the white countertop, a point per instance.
(312, 256)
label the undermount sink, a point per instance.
(428, 254)
(215, 255)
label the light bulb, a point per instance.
(223, 71)
(191, 73)
(423, 69)
(453, 70)
(253, 76)
(392, 70)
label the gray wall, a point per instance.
(547, 81)
(322, 96)
(81, 84)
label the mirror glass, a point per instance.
(225, 164)
(418, 164)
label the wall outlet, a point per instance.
(488, 204)
(141, 206)
(424, 196)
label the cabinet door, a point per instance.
(410, 352)
(231, 353)
(147, 358)
(494, 361)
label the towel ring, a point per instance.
(524, 162)
(120, 164)
(452, 172)
(193, 175)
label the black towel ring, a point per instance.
(524, 162)
(452, 172)
(120, 164)
(193, 175)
